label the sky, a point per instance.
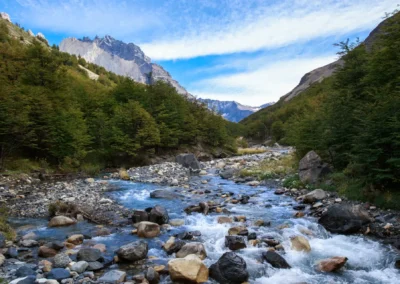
(250, 51)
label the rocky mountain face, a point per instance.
(231, 110)
(121, 58)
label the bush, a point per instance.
(5, 228)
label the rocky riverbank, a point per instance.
(84, 257)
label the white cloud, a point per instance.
(262, 85)
(287, 23)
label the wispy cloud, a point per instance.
(279, 25)
(261, 85)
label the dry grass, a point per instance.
(249, 151)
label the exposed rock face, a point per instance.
(311, 168)
(188, 161)
(188, 269)
(5, 16)
(232, 110)
(133, 251)
(344, 218)
(275, 259)
(229, 269)
(314, 76)
(120, 58)
(332, 264)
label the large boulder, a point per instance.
(332, 264)
(113, 276)
(315, 195)
(148, 230)
(59, 221)
(140, 216)
(159, 215)
(227, 174)
(188, 269)
(312, 168)
(344, 218)
(89, 254)
(300, 243)
(133, 251)
(229, 269)
(235, 242)
(192, 248)
(188, 161)
(164, 194)
(275, 259)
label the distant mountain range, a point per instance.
(232, 110)
(127, 59)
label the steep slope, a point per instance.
(231, 110)
(120, 58)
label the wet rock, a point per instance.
(76, 239)
(315, 195)
(299, 207)
(300, 243)
(261, 223)
(227, 174)
(275, 259)
(61, 260)
(252, 236)
(229, 269)
(193, 209)
(270, 242)
(56, 245)
(164, 194)
(94, 266)
(279, 191)
(148, 230)
(234, 231)
(344, 218)
(113, 276)
(173, 245)
(79, 266)
(332, 264)
(31, 279)
(2, 259)
(24, 271)
(204, 207)
(152, 276)
(89, 254)
(188, 269)
(188, 235)
(397, 263)
(28, 243)
(2, 240)
(159, 215)
(188, 161)
(177, 222)
(29, 236)
(46, 252)
(59, 221)
(235, 242)
(59, 274)
(224, 219)
(133, 251)
(11, 252)
(101, 247)
(140, 216)
(192, 248)
(299, 214)
(312, 168)
(240, 218)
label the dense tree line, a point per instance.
(50, 110)
(352, 119)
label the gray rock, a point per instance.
(275, 259)
(344, 218)
(79, 266)
(192, 248)
(188, 161)
(227, 174)
(163, 194)
(89, 254)
(229, 269)
(28, 243)
(113, 276)
(2, 240)
(59, 274)
(152, 276)
(140, 216)
(31, 279)
(24, 271)
(159, 215)
(315, 195)
(61, 260)
(312, 168)
(235, 242)
(133, 251)
(94, 266)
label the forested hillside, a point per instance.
(351, 119)
(51, 113)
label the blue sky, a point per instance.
(251, 51)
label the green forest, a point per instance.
(351, 119)
(53, 115)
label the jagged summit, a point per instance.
(126, 59)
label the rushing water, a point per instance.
(368, 261)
